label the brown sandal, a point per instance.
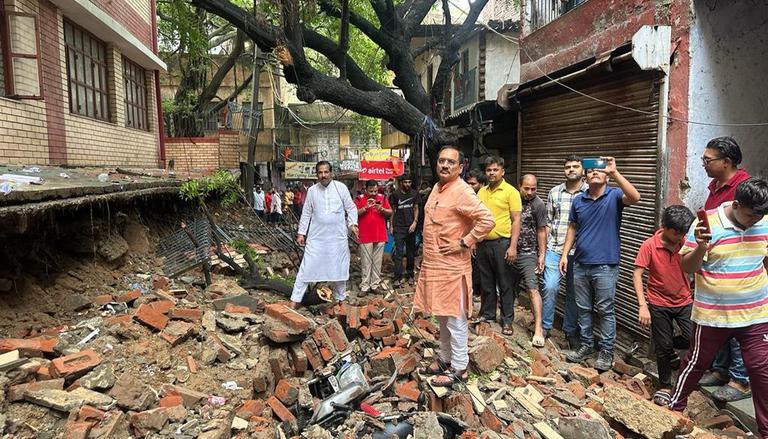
(508, 330)
(453, 376)
(433, 369)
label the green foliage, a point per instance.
(365, 130)
(243, 248)
(222, 185)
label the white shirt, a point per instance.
(277, 204)
(258, 200)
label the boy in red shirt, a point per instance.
(668, 292)
(373, 209)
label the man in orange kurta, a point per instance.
(454, 221)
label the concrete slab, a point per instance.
(744, 410)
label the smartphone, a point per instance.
(593, 163)
(703, 220)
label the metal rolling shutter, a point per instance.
(562, 122)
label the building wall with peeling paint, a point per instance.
(729, 62)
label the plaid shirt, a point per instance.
(558, 208)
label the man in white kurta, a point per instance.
(328, 214)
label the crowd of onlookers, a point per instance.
(272, 205)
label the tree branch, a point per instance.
(221, 104)
(359, 22)
(343, 40)
(426, 47)
(209, 92)
(415, 15)
(327, 47)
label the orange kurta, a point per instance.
(452, 212)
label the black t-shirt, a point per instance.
(404, 203)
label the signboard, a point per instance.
(306, 170)
(380, 170)
(377, 155)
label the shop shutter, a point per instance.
(559, 122)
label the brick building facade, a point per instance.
(78, 83)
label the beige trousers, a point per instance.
(370, 256)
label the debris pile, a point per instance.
(174, 358)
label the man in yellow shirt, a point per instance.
(498, 252)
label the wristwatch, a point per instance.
(461, 242)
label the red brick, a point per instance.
(102, 299)
(32, 347)
(176, 332)
(77, 429)
(162, 306)
(160, 283)
(250, 408)
(279, 410)
(324, 344)
(490, 421)
(150, 317)
(391, 351)
(389, 341)
(44, 373)
(382, 331)
(190, 397)
(75, 364)
(586, 376)
(435, 403)
(426, 325)
(353, 317)
(171, 401)
(577, 389)
(236, 309)
(401, 343)
(337, 336)
(287, 392)
(117, 320)
(407, 364)
(75, 385)
(461, 405)
(364, 313)
(88, 413)
(298, 357)
(129, 296)
(365, 332)
(637, 386)
(409, 391)
(191, 364)
(288, 316)
(313, 354)
(16, 393)
(188, 314)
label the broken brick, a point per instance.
(409, 391)
(188, 314)
(381, 331)
(577, 389)
(162, 306)
(313, 354)
(288, 316)
(236, 309)
(586, 376)
(32, 347)
(407, 364)
(298, 357)
(336, 334)
(250, 408)
(171, 401)
(160, 282)
(324, 344)
(491, 421)
(88, 413)
(190, 397)
(279, 410)
(102, 300)
(460, 405)
(637, 386)
(75, 364)
(365, 332)
(117, 320)
(353, 317)
(720, 422)
(176, 332)
(129, 296)
(486, 354)
(77, 429)
(389, 340)
(191, 364)
(287, 392)
(150, 317)
(155, 419)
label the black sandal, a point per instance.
(433, 369)
(662, 398)
(454, 377)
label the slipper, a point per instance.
(711, 379)
(433, 369)
(662, 398)
(449, 379)
(728, 393)
(537, 341)
(508, 330)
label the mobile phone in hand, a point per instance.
(703, 220)
(593, 163)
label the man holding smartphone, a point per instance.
(372, 212)
(594, 224)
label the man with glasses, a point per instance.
(455, 220)
(593, 228)
(721, 160)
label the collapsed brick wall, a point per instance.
(204, 153)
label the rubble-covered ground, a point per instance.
(98, 343)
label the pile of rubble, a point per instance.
(218, 362)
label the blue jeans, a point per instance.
(596, 287)
(549, 293)
(730, 363)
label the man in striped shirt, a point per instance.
(731, 299)
(558, 209)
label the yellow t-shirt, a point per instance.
(501, 201)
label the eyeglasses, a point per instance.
(707, 160)
(448, 162)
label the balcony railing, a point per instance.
(464, 89)
(545, 11)
(296, 154)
